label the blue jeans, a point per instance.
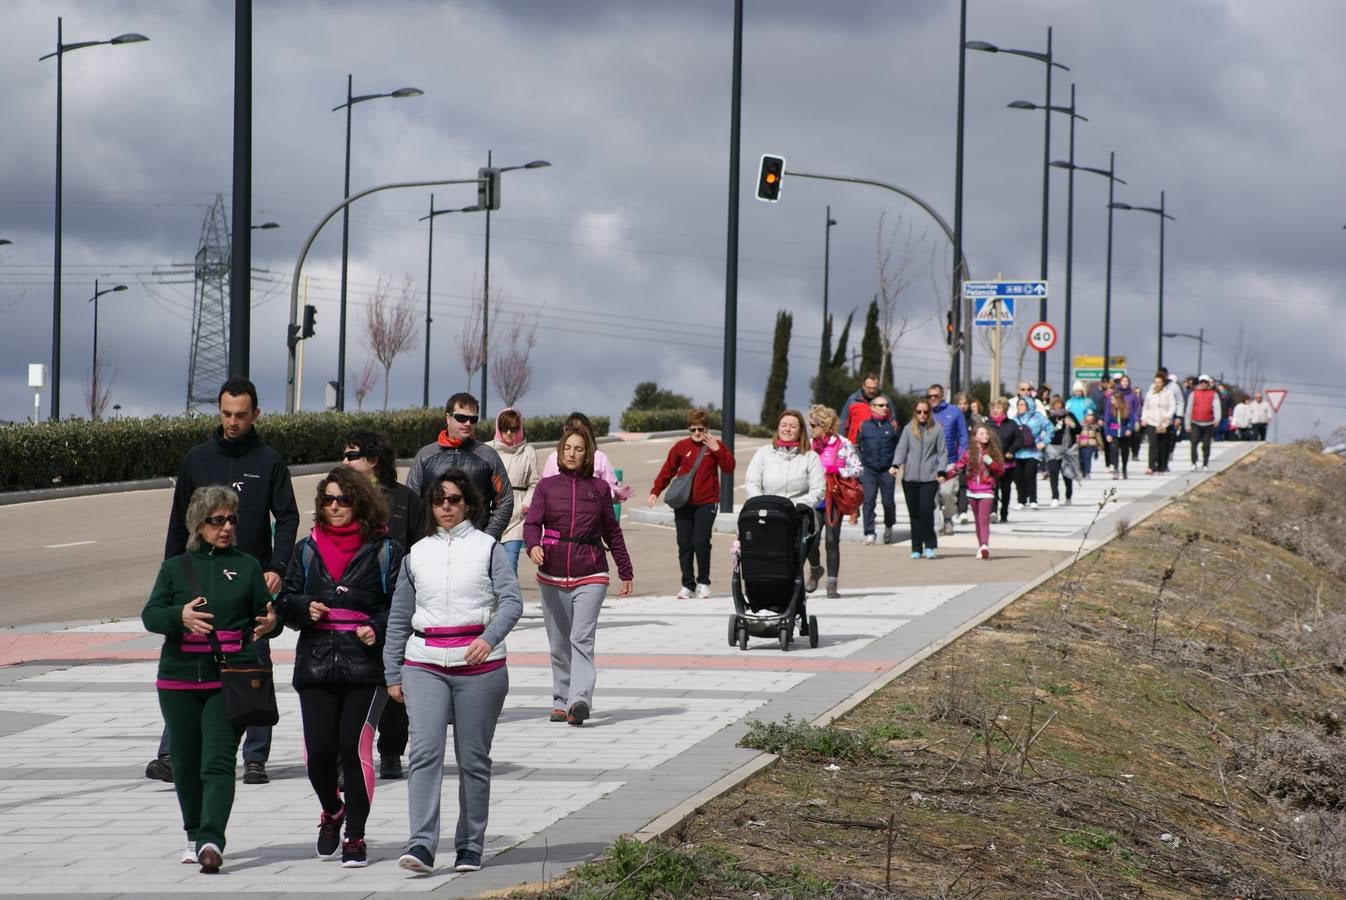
(512, 550)
(1086, 460)
(878, 484)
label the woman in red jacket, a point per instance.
(705, 458)
(569, 523)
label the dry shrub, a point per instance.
(1320, 836)
(1300, 767)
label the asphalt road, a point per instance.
(95, 558)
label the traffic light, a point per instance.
(292, 336)
(948, 328)
(310, 314)
(769, 175)
(488, 189)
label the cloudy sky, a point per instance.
(618, 250)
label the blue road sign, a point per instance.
(972, 289)
(984, 311)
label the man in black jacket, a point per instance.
(458, 448)
(236, 456)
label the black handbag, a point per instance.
(249, 692)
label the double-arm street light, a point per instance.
(93, 376)
(1200, 339)
(63, 48)
(1070, 223)
(486, 273)
(1109, 173)
(1158, 211)
(351, 100)
(1049, 64)
(429, 275)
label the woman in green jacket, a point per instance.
(235, 602)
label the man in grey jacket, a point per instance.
(458, 448)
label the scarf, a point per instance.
(997, 419)
(518, 435)
(785, 445)
(446, 441)
(828, 449)
(337, 545)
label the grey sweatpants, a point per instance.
(472, 703)
(571, 618)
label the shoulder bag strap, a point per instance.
(194, 584)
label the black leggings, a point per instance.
(1002, 490)
(1054, 472)
(339, 722)
(1026, 479)
(830, 535)
(693, 525)
(920, 497)
(1118, 448)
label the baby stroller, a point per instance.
(774, 535)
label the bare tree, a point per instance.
(1250, 359)
(390, 328)
(470, 346)
(369, 377)
(98, 390)
(893, 276)
(511, 364)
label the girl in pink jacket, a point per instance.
(984, 464)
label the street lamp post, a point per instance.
(93, 376)
(351, 100)
(827, 256)
(1199, 337)
(63, 48)
(1111, 174)
(964, 345)
(429, 276)
(1070, 224)
(486, 277)
(1160, 212)
(1048, 63)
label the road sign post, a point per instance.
(1275, 397)
(994, 304)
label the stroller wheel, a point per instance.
(743, 637)
(813, 631)
(803, 626)
(784, 636)
(733, 630)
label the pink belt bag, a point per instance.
(450, 636)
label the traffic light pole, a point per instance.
(731, 263)
(290, 394)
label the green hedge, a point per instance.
(646, 420)
(77, 451)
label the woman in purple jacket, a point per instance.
(1119, 423)
(569, 523)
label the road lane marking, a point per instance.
(71, 544)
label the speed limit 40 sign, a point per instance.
(1042, 337)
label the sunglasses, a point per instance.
(934, 395)
(340, 500)
(696, 429)
(879, 405)
(922, 412)
(221, 521)
(508, 429)
(447, 499)
(465, 419)
(353, 455)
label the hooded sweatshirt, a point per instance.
(520, 461)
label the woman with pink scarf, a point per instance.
(836, 456)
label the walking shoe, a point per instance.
(1069, 502)
(947, 529)
(1149, 471)
(984, 552)
(887, 534)
(189, 854)
(1023, 505)
(703, 592)
(1055, 503)
(579, 711)
(210, 858)
(684, 594)
(467, 861)
(255, 773)
(328, 844)
(353, 853)
(557, 715)
(1205, 467)
(869, 540)
(915, 554)
(418, 860)
(963, 518)
(1032, 504)
(929, 553)
(815, 576)
(832, 588)
(390, 767)
(161, 769)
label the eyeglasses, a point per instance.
(221, 521)
(340, 500)
(696, 429)
(353, 455)
(447, 499)
(508, 429)
(465, 419)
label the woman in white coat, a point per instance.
(1156, 416)
(787, 467)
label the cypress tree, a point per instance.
(871, 345)
(773, 403)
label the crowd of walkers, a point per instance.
(402, 594)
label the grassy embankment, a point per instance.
(1164, 719)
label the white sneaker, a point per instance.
(1205, 468)
(964, 518)
(1055, 503)
(983, 552)
(189, 854)
(869, 540)
(1033, 504)
(1068, 502)
(703, 592)
(995, 517)
(1023, 506)
(684, 594)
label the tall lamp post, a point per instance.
(1109, 173)
(1048, 63)
(963, 347)
(486, 271)
(827, 257)
(429, 276)
(1070, 224)
(1200, 339)
(63, 48)
(351, 100)
(93, 376)
(1160, 212)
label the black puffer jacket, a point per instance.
(339, 657)
(1007, 432)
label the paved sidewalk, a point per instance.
(78, 719)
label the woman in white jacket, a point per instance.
(787, 467)
(1156, 417)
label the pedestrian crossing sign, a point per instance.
(984, 311)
